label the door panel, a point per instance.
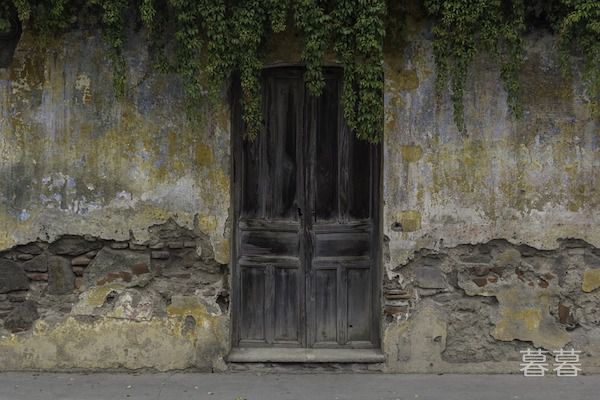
(326, 305)
(306, 240)
(253, 306)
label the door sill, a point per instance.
(296, 355)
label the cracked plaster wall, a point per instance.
(73, 161)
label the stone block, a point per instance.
(37, 264)
(110, 264)
(591, 280)
(61, 279)
(12, 277)
(430, 278)
(22, 317)
(30, 248)
(73, 246)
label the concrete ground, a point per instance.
(247, 386)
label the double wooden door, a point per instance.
(306, 222)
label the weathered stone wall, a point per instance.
(114, 235)
(115, 304)
(491, 237)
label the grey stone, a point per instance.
(12, 277)
(30, 248)
(119, 245)
(24, 257)
(73, 246)
(61, 279)
(113, 261)
(160, 255)
(22, 317)
(17, 297)
(429, 278)
(37, 264)
(477, 258)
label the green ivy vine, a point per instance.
(580, 30)
(465, 28)
(207, 41)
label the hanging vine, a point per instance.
(580, 30)
(206, 41)
(465, 28)
(314, 23)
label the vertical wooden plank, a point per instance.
(377, 243)
(269, 303)
(308, 158)
(237, 167)
(304, 285)
(342, 309)
(360, 180)
(326, 157)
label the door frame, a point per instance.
(376, 203)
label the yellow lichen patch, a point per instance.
(410, 220)
(157, 344)
(411, 153)
(207, 223)
(222, 251)
(97, 295)
(184, 306)
(391, 111)
(524, 315)
(591, 280)
(204, 155)
(407, 80)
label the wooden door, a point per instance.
(306, 222)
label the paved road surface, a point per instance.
(247, 386)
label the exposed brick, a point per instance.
(139, 269)
(80, 261)
(38, 276)
(160, 255)
(481, 282)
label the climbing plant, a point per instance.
(580, 30)
(208, 41)
(466, 27)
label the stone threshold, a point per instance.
(301, 355)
